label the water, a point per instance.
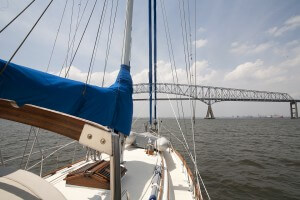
(237, 158)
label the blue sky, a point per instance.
(249, 44)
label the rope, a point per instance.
(51, 154)
(178, 122)
(73, 40)
(56, 36)
(172, 55)
(172, 58)
(98, 42)
(184, 37)
(7, 63)
(77, 23)
(29, 133)
(94, 48)
(194, 102)
(193, 108)
(81, 39)
(110, 35)
(188, 64)
(70, 30)
(14, 158)
(17, 16)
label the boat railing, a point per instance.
(87, 133)
(56, 148)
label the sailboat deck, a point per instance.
(178, 177)
(137, 180)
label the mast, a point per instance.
(150, 60)
(155, 64)
(127, 37)
(115, 171)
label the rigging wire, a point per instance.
(182, 110)
(70, 30)
(171, 48)
(182, 134)
(194, 102)
(163, 8)
(184, 37)
(37, 130)
(172, 59)
(50, 155)
(74, 37)
(197, 171)
(188, 150)
(17, 16)
(81, 39)
(77, 23)
(110, 35)
(189, 80)
(94, 48)
(191, 103)
(7, 63)
(62, 16)
(184, 145)
(98, 42)
(186, 50)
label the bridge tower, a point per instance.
(209, 114)
(294, 110)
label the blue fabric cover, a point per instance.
(112, 106)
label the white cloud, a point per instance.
(238, 48)
(255, 71)
(204, 74)
(292, 62)
(289, 25)
(96, 77)
(165, 75)
(201, 30)
(200, 43)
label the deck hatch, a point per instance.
(95, 175)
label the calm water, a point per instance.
(237, 158)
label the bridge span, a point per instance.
(210, 95)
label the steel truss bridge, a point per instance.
(210, 95)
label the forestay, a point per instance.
(111, 106)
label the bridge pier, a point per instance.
(294, 110)
(209, 114)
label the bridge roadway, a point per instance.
(210, 95)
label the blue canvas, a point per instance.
(112, 106)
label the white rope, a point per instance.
(14, 158)
(190, 102)
(176, 118)
(51, 154)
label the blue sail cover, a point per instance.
(112, 106)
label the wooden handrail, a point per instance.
(61, 123)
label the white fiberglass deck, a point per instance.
(178, 177)
(136, 181)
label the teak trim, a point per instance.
(58, 122)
